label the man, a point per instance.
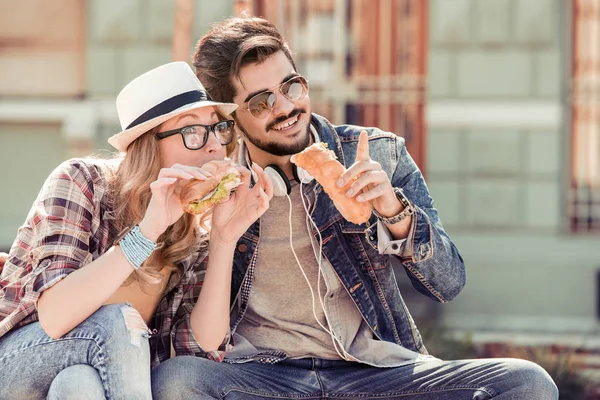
(357, 339)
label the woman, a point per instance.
(107, 259)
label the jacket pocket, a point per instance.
(362, 244)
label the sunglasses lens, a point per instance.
(295, 89)
(262, 104)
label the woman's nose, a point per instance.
(212, 143)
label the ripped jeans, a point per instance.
(105, 357)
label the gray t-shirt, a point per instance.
(280, 313)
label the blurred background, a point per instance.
(499, 101)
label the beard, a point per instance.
(279, 149)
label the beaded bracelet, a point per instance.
(136, 247)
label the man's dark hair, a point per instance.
(231, 45)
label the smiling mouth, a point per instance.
(286, 125)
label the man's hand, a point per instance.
(3, 257)
(372, 180)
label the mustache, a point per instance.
(278, 120)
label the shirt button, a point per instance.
(394, 246)
(242, 248)
(154, 331)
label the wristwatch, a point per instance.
(407, 211)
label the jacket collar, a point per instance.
(328, 135)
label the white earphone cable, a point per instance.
(337, 345)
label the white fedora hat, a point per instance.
(156, 96)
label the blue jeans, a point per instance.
(189, 377)
(105, 357)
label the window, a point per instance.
(584, 199)
(42, 48)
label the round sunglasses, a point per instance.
(294, 89)
(195, 136)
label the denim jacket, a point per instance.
(431, 260)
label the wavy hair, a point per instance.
(130, 189)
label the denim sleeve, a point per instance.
(431, 260)
(184, 342)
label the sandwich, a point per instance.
(198, 196)
(323, 165)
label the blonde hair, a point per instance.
(131, 192)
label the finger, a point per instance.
(259, 177)
(245, 177)
(268, 188)
(264, 184)
(244, 172)
(264, 202)
(161, 188)
(362, 150)
(356, 170)
(198, 173)
(371, 194)
(174, 173)
(226, 198)
(368, 178)
(161, 183)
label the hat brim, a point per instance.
(123, 139)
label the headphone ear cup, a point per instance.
(281, 184)
(300, 175)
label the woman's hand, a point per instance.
(165, 208)
(233, 217)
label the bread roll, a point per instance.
(198, 196)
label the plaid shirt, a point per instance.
(70, 225)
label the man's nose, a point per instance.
(283, 105)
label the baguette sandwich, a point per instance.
(322, 164)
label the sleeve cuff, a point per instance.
(186, 344)
(386, 244)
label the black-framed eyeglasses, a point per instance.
(195, 136)
(261, 105)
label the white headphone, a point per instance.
(281, 183)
